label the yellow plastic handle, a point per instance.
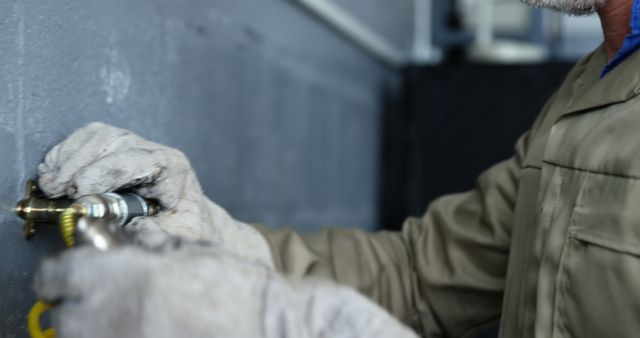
(33, 321)
(67, 226)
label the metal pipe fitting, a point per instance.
(94, 219)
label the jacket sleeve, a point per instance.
(443, 274)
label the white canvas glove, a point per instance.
(194, 291)
(100, 158)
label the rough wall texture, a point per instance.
(279, 115)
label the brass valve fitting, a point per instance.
(36, 210)
(94, 219)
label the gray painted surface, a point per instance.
(279, 115)
(393, 20)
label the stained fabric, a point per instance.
(194, 290)
(101, 158)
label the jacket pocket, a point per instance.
(599, 280)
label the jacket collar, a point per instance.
(620, 85)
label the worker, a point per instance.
(546, 245)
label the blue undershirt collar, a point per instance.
(631, 42)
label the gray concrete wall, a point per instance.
(279, 115)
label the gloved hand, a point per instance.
(100, 158)
(194, 291)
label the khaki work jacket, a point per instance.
(547, 244)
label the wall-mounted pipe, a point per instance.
(424, 50)
(353, 29)
(484, 22)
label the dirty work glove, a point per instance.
(100, 158)
(195, 291)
